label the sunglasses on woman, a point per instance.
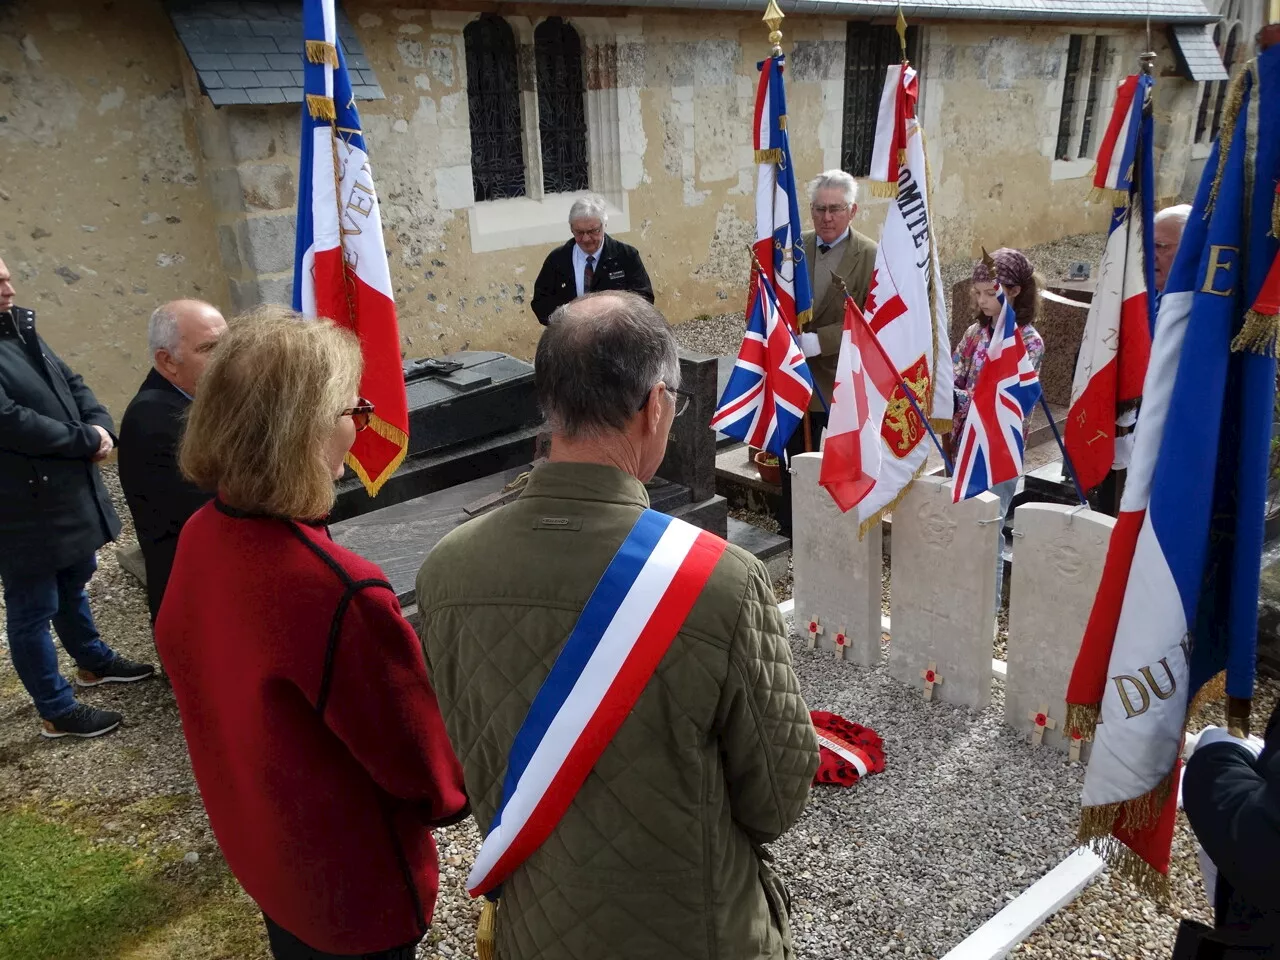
(359, 414)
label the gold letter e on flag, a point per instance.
(1220, 258)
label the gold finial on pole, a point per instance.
(773, 16)
(902, 33)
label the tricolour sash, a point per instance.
(632, 617)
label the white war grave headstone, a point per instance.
(837, 576)
(1057, 568)
(944, 587)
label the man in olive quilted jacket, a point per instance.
(660, 855)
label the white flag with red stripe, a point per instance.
(851, 447)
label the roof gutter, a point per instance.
(862, 9)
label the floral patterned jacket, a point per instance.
(971, 356)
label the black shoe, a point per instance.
(118, 670)
(81, 721)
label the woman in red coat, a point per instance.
(313, 730)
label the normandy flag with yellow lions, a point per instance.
(1175, 619)
(905, 305)
(340, 262)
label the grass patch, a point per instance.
(63, 897)
(161, 806)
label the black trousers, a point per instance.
(285, 946)
(817, 426)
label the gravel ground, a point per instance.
(907, 863)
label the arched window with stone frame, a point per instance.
(562, 119)
(1232, 35)
(493, 101)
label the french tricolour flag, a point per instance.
(1113, 356)
(340, 263)
(778, 248)
(628, 624)
(1177, 604)
(991, 446)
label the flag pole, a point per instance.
(1066, 457)
(911, 397)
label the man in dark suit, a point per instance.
(54, 515)
(181, 336)
(833, 247)
(590, 262)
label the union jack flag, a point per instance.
(991, 446)
(770, 386)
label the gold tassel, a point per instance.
(940, 425)
(322, 51)
(1214, 689)
(1130, 867)
(1230, 113)
(321, 108)
(1083, 719)
(769, 156)
(487, 932)
(388, 432)
(1113, 198)
(883, 190)
(1259, 334)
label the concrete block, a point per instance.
(944, 586)
(1057, 569)
(837, 576)
(276, 290)
(229, 249)
(251, 135)
(266, 243)
(244, 294)
(268, 187)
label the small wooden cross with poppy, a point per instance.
(931, 678)
(842, 644)
(815, 628)
(1040, 722)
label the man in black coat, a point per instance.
(54, 515)
(1231, 794)
(590, 262)
(181, 336)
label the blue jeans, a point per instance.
(1005, 491)
(31, 602)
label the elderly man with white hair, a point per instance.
(833, 248)
(181, 336)
(1166, 236)
(592, 261)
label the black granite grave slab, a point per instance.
(691, 449)
(422, 475)
(398, 538)
(482, 394)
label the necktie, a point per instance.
(588, 274)
(824, 248)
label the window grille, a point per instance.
(1070, 82)
(562, 121)
(869, 50)
(1091, 105)
(493, 100)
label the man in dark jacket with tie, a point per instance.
(181, 336)
(591, 261)
(54, 515)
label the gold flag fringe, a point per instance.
(769, 156)
(1114, 198)
(1127, 865)
(889, 507)
(1140, 813)
(883, 190)
(940, 425)
(321, 108)
(487, 932)
(1230, 113)
(1083, 719)
(1260, 334)
(322, 51)
(1214, 689)
(388, 432)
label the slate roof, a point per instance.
(1198, 58)
(1024, 11)
(251, 53)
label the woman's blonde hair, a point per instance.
(267, 404)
